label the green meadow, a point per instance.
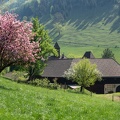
(26, 102)
(74, 43)
(78, 52)
(84, 29)
(93, 30)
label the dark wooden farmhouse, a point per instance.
(109, 68)
(110, 71)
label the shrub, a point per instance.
(44, 83)
(54, 85)
(18, 76)
(6, 70)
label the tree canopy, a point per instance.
(51, 7)
(107, 53)
(45, 47)
(16, 41)
(84, 73)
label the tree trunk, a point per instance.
(30, 78)
(30, 73)
(82, 89)
(59, 33)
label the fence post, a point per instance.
(112, 97)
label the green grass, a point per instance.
(78, 52)
(90, 30)
(94, 38)
(86, 29)
(25, 102)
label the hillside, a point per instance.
(25, 102)
(78, 26)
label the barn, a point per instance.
(109, 69)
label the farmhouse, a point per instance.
(109, 68)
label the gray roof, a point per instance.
(107, 67)
(56, 68)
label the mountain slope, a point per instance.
(81, 24)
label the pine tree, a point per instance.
(107, 53)
(46, 49)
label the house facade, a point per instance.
(109, 69)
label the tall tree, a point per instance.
(45, 47)
(58, 27)
(84, 73)
(16, 44)
(107, 53)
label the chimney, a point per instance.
(57, 47)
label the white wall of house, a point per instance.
(110, 88)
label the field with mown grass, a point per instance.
(93, 30)
(85, 28)
(25, 102)
(75, 51)
(75, 42)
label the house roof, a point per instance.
(107, 67)
(56, 68)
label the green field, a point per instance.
(25, 102)
(90, 30)
(86, 28)
(95, 38)
(78, 52)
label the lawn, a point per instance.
(25, 102)
(85, 31)
(78, 52)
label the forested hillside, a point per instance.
(89, 24)
(51, 7)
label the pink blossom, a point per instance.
(16, 41)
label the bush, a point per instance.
(18, 76)
(54, 85)
(44, 83)
(6, 70)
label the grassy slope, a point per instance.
(91, 30)
(88, 30)
(24, 102)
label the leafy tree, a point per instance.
(84, 73)
(107, 53)
(16, 44)
(58, 17)
(58, 28)
(45, 46)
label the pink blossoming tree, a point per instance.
(16, 44)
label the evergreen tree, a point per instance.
(46, 49)
(107, 53)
